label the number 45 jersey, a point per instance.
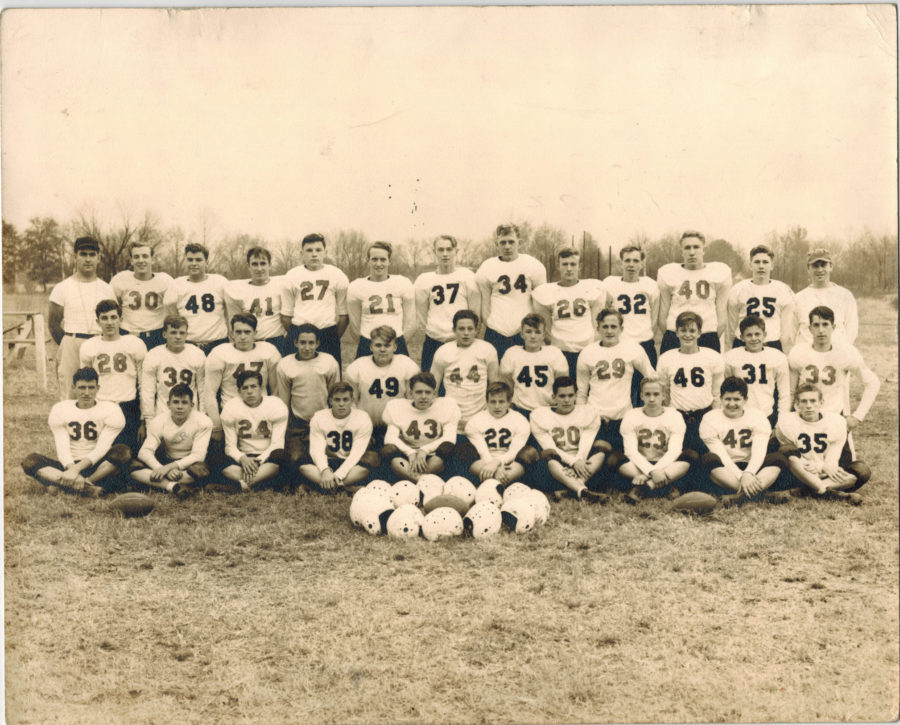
(379, 385)
(163, 370)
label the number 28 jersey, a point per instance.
(203, 304)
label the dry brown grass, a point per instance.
(270, 608)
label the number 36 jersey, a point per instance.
(163, 369)
(377, 385)
(203, 304)
(81, 433)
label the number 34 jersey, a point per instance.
(379, 385)
(163, 369)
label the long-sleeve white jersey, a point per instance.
(498, 438)
(411, 429)
(318, 297)
(695, 290)
(570, 435)
(203, 304)
(142, 300)
(225, 362)
(769, 301)
(533, 374)
(511, 285)
(465, 373)
(829, 371)
(377, 385)
(344, 438)
(693, 379)
(652, 442)
(636, 301)
(262, 301)
(741, 440)
(839, 300)
(254, 431)
(572, 311)
(163, 370)
(186, 443)
(118, 363)
(381, 303)
(821, 441)
(81, 433)
(764, 372)
(604, 376)
(445, 295)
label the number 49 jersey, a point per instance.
(141, 299)
(690, 378)
(379, 385)
(162, 370)
(203, 304)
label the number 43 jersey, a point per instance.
(378, 385)
(423, 429)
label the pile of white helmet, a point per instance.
(438, 509)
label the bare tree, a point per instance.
(115, 243)
(349, 250)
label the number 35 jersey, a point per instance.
(379, 385)
(163, 370)
(820, 441)
(203, 304)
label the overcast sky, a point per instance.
(409, 122)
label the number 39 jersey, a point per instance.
(694, 290)
(533, 374)
(511, 286)
(820, 441)
(142, 300)
(77, 432)
(254, 431)
(381, 303)
(421, 428)
(162, 370)
(635, 300)
(203, 304)
(690, 377)
(118, 364)
(379, 385)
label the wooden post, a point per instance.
(40, 349)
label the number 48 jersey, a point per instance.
(376, 386)
(162, 370)
(203, 304)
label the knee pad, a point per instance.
(549, 455)
(34, 462)
(279, 457)
(370, 460)
(614, 460)
(600, 446)
(528, 456)
(445, 451)
(466, 452)
(710, 461)
(119, 455)
(690, 457)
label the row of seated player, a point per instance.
(608, 371)
(561, 449)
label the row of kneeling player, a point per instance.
(563, 449)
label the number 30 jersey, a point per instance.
(203, 304)
(163, 370)
(142, 300)
(377, 386)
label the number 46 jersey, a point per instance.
(377, 385)
(162, 370)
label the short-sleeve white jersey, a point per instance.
(163, 370)
(203, 304)
(507, 434)
(572, 323)
(466, 374)
(340, 434)
(635, 301)
(379, 385)
(262, 301)
(79, 302)
(693, 290)
(604, 376)
(690, 377)
(829, 371)
(764, 372)
(533, 374)
(511, 285)
(303, 384)
(81, 433)
(820, 441)
(142, 300)
(653, 436)
(447, 294)
(736, 434)
(317, 297)
(419, 428)
(765, 300)
(254, 431)
(381, 302)
(186, 443)
(839, 300)
(117, 362)
(226, 362)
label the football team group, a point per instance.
(200, 381)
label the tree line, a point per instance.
(41, 254)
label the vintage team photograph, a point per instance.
(450, 364)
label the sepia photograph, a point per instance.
(450, 364)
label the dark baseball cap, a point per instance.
(86, 243)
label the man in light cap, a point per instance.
(822, 292)
(72, 317)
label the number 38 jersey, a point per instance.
(821, 441)
(203, 304)
(81, 433)
(254, 431)
(163, 370)
(635, 300)
(511, 285)
(377, 386)
(381, 303)
(422, 429)
(331, 437)
(694, 290)
(690, 378)
(117, 362)
(142, 300)
(533, 374)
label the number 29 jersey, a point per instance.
(377, 386)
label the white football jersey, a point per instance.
(345, 438)
(533, 374)
(318, 297)
(604, 376)
(261, 301)
(186, 443)
(81, 433)
(225, 362)
(839, 300)
(303, 384)
(447, 294)
(572, 321)
(764, 372)
(465, 374)
(829, 371)
(501, 438)
(117, 362)
(163, 370)
(690, 378)
(821, 441)
(422, 429)
(79, 302)
(652, 442)
(254, 431)
(737, 435)
(141, 299)
(381, 303)
(203, 304)
(565, 433)
(511, 286)
(765, 300)
(694, 290)
(635, 300)
(379, 385)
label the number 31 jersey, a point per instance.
(163, 370)
(377, 386)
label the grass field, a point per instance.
(271, 608)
